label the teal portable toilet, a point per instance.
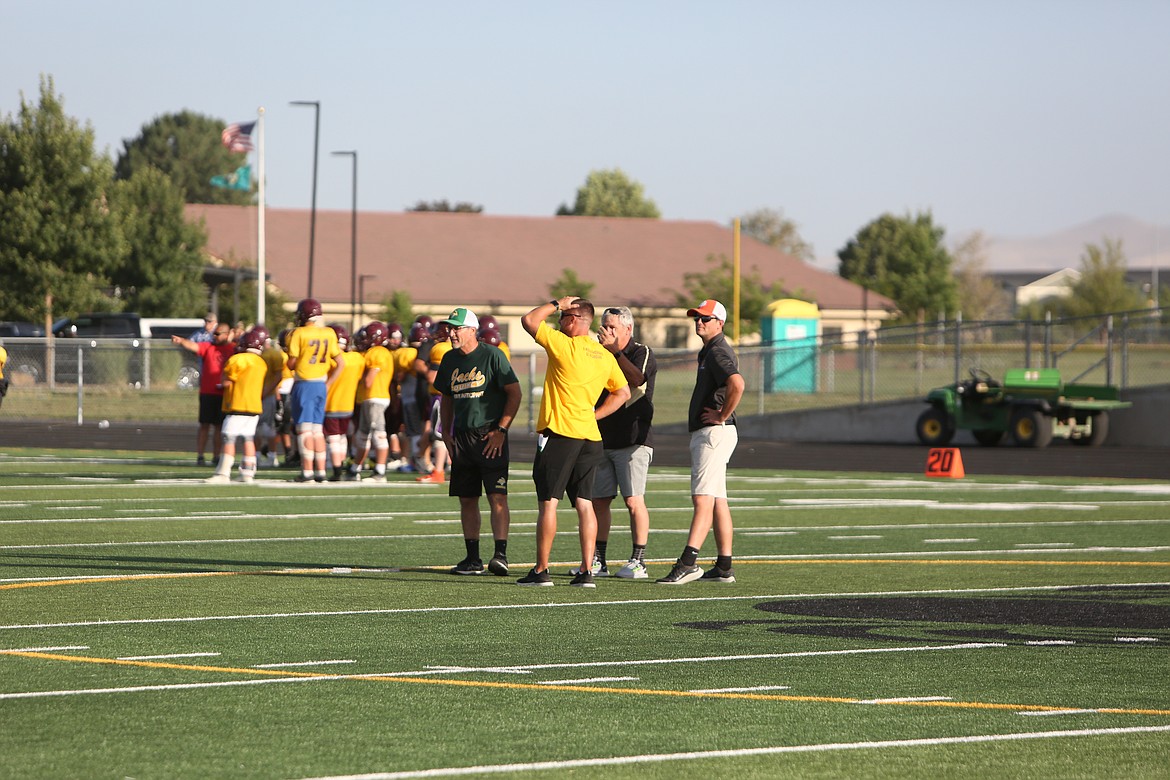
(790, 328)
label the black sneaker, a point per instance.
(583, 580)
(201, 461)
(540, 579)
(680, 575)
(715, 574)
(468, 566)
(498, 566)
(302, 478)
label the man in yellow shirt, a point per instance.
(243, 385)
(312, 348)
(373, 395)
(569, 446)
(3, 381)
(339, 401)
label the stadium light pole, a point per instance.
(353, 242)
(362, 289)
(316, 104)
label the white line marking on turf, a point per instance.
(657, 758)
(585, 680)
(858, 536)
(1046, 544)
(171, 687)
(168, 655)
(1049, 713)
(753, 689)
(45, 649)
(1134, 639)
(1047, 642)
(902, 699)
(304, 663)
(949, 541)
(569, 605)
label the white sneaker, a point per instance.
(598, 569)
(395, 464)
(218, 479)
(633, 570)
(377, 478)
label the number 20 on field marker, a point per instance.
(945, 462)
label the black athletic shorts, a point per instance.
(566, 465)
(471, 470)
(210, 409)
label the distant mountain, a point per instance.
(1139, 240)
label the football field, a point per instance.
(884, 626)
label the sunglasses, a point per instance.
(705, 318)
(566, 315)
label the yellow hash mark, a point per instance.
(517, 686)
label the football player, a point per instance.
(243, 384)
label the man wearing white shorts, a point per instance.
(711, 421)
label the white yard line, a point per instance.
(304, 663)
(569, 605)
(584, 680)
(752, 689)
(657, 758)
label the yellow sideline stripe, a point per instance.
(517, 686)
(738, 562)
(161, 576)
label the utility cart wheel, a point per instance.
(935, 427)
(1030, 428)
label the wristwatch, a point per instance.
(502, 429)
(556, 303)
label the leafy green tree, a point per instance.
(981, 297)
(774, 229)
(188, 148)
(59, 241)
(610, 193)
(462, 207)
(162, 275)
(718, 282)
(570, 284)
(397, 307)
(1102, 288)
(904, 259)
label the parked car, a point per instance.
(21, 330)
(104, 336)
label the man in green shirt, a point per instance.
(480, 398)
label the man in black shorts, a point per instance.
(480, 396)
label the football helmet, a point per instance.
(342, 336)
(489, 336)
(376, 334)
(253, 339)
(440, 331)
(307, 309)
(419, 333)
(282, 339)
(488, 322)
(393, 335)
(360, 341)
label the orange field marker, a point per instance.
(945, 462)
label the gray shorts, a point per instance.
(624, 468)
(711, 449)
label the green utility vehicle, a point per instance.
(1032, 404)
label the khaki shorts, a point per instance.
(624, 468)
(711, 449)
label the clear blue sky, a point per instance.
(1015, 117)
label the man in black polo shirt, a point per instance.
(711, 421)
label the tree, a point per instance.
(570, 284)
(188, 148)
(59, 241)
(162, 274)
(717, 282)
(610, 194)
(1102, 287)
(980, 296)
(397, 307)
(904, 259)
(771, 227)
(462, 207)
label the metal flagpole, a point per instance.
(261, 284)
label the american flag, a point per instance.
(237, 137)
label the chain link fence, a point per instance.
(145, 380)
